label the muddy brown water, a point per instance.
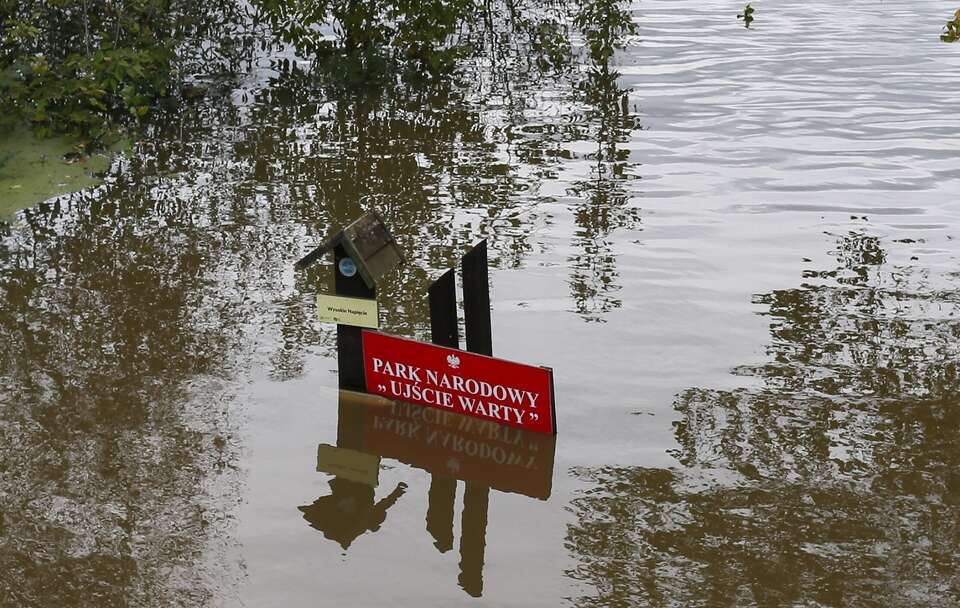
(737, 249)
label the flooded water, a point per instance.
(738, 249)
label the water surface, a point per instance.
(738, 249)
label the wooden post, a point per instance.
(476, 300)
(442, 297)
(476, 497)
(349, 344)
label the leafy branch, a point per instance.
(951, 31)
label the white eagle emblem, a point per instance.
(453, 361)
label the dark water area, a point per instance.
(739, 250)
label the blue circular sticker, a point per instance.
(348, 267)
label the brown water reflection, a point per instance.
(834, 482)
(452, 447)
(132, 312)
(164, 384)
(110, 487)
(605, 195)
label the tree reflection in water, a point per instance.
(111, 488)
(604, 196)
(835, 482)
(130, 309)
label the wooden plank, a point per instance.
(442, 297)
(476, 300)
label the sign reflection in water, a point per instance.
(448, 445)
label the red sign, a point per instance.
(454, 380)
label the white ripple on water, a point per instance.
(816, 98)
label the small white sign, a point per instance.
(359, 312)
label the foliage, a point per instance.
(84, 66)
(605, 25)
(550, 43)
(421, 33)
(746, 15)
(951, 31)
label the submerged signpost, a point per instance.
(438, 375)
(457, 414)
(363, 252)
